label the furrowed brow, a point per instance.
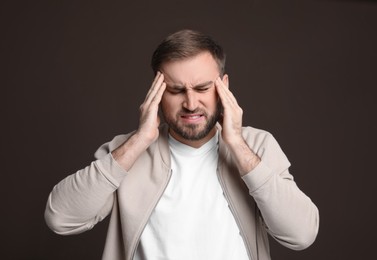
(175, 86)
(180, 87)
(203, 85)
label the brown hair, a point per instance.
(186, 44)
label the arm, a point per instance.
(148, 132)
(83, 199)
(289, 215)
(246, 160)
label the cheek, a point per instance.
(212, 98)
(168, 103)
(163, 103)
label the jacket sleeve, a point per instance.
(86, 197)
(289, 215)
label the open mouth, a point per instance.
(192, 117)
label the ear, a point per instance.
(225, 79)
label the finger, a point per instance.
(156, 85)
(225, 94)
(227, 90)
(149, 110)
(156, 77)
(229, 93)
(155, 80)
(157, 98)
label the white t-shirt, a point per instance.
(192, 220)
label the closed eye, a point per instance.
(201, 90)
(204, 87)
(176, 90)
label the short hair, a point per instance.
(185, 44)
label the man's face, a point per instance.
(190, 104)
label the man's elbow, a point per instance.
(299, 241)
(55, 224)
(61, 226)
(305, 241)
(302, 236)
(305, 238)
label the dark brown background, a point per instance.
(75, 72)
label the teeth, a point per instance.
(192, 117)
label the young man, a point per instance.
(199, 185)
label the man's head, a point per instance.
(190, 63)
(187, 44)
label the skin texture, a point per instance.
(190, 104)
(190, 93)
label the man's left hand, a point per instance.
(246, 160)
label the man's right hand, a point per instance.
(149, 119)
(147, 132)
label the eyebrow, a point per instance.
(198, 86)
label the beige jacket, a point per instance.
(266, 200)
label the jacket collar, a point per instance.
(163, 144)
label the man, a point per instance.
(199, 185)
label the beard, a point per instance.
(193, 132)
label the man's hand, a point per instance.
(245, 159)
(149, 119)
(232, 114)
(147, 132)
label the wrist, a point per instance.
(128, 152)
(235, 142)
(246, 159)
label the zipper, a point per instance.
(149, 215)
(232, 210)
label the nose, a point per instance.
(191, 100)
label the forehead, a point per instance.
(197, 69)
